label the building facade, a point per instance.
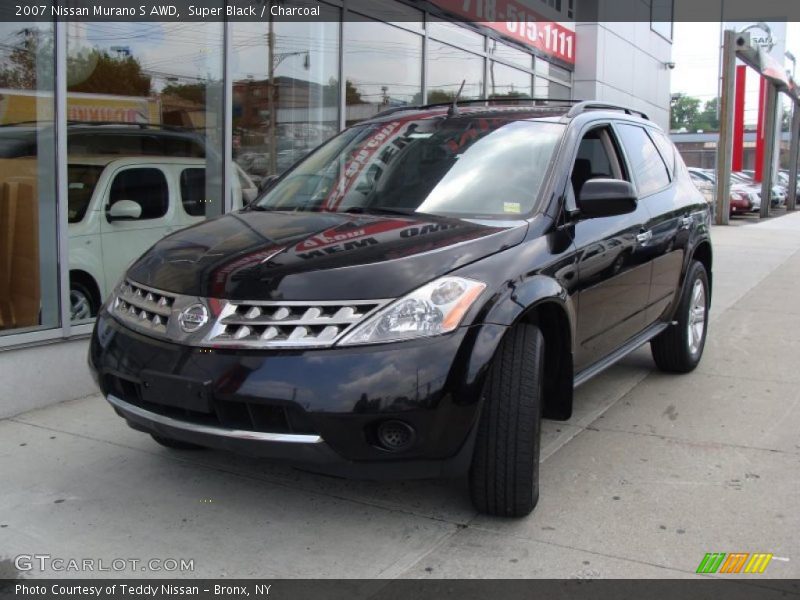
(114, 134)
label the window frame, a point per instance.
(568, 201)
(169, 209)
(633, 179)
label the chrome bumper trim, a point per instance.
(239, 434)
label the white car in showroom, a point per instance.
(120, 206)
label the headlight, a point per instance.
(433, 309)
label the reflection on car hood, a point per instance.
(317, 256)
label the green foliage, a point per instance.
(29, 64)
(96, 71)
(194, 92)
(684, 111)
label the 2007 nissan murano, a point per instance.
(415, 295)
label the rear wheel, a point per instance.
(175, 444)
(504, 477)
(678, 349)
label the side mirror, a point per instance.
(124, 210)
(607, 198)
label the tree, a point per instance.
(510, 95)
(684, 112)
(708, 119)
(96, 71)
(437, 96)
(30, 61)
(194, 92)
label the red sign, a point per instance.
(518, 22)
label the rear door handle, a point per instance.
(686, 222)
(644, 237)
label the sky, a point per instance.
(695, 52)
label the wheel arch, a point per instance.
(541, 300)
(552, 319)
(87, 280)
(703, 253)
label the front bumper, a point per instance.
(317, 409)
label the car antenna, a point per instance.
(453, 110)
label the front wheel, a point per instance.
(678, 349)
(504, 477)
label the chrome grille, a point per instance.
(143, 307)
(288, 324)
(240, 324)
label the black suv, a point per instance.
(412, 298)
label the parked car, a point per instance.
(120, 206)
(777, 196)
(414, 296)
(704, 183)
(105, 139)
(743, 199)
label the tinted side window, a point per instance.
(593, 160)
(666, 149)
(147, 187)
(193, 192)
(648, 168)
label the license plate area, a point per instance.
(176, 391)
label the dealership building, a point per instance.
(187, 119)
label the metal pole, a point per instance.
(62, 182)
(794, 154)
(769, 148)
(725, 144)
(272, 93)
(227, 122)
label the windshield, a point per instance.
(82, 180)
(462, 166)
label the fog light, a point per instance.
(395, 435)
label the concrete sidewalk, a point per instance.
(651, 473)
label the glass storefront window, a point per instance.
(447, 68)
(510, 54)
(286, 106)
(555, 72)
(456, 34)
(145, 113)
(383, 68)
(507, 82)
(544, 88)
(145, 127)
(29, 287)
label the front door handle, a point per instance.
(644, 237)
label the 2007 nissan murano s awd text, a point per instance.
(415, 295)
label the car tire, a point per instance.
(504, 475)
(83, 303)
(175, 444)
(679, 348)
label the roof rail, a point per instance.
(541, 102)
(133, 125)
(582, 107)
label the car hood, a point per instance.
(251, 255)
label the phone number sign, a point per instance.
(518, 22)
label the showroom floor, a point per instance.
(651, 473)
